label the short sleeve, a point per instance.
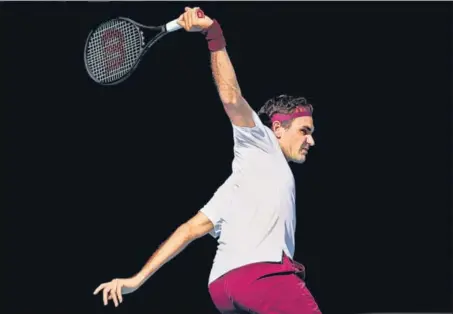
(259, 136)
(216, 207)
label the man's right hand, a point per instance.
(115, 289)
(194, 20)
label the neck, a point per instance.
(284, 151)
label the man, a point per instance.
(253, 212)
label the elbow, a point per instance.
(186, 233)
(194, 231)
(229, 102)
(233, 102)
(190, 232)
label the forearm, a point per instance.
(177, 242)
(225, 77)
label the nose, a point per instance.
(310, 140)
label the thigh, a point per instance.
(277, 294)
(220, 297)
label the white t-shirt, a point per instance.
(253, 212)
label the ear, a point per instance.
(277, 128)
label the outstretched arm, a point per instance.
(196, 227)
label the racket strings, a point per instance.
(113, 50)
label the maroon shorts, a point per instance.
(264, 288)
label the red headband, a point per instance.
(299, 112)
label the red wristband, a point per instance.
(214, 36)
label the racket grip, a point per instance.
(172, 26)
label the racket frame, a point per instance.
(164, 30)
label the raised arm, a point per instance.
(236, 107)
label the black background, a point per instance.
(97, 177)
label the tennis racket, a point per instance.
(114, 49)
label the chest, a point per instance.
(263, 182)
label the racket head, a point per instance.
(112, 50)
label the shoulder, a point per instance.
(258, 135)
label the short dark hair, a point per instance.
(284, 104)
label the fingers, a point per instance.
(190, 17)
(118, 292)
(110, 291)
(105, 294)
(189, 20)
(99, 288)
(114, 297)
(194, 15)
(181, 21)
(184, 21)
(113, 292)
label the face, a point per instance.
(297, 139)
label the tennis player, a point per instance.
(253, 213)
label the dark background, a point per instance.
(97, 177)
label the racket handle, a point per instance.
(172, 26)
